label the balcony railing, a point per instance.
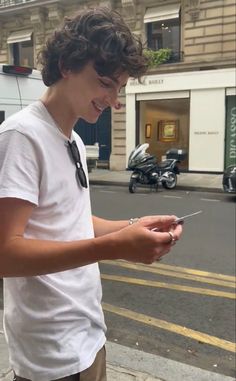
(9, 3)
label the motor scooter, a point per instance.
(147, 171)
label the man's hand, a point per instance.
(139, 243)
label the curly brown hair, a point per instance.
(99, 35)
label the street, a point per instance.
(182, 308)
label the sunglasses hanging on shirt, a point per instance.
(80, 174)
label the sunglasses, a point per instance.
(80, 174)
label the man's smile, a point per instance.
(98, 106)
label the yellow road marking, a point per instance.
(202, 273)
(178, 329)
(175, 274)
(151, 283)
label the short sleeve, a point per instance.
(19, 167)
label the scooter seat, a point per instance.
(164, 164)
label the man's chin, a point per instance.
(90, 119)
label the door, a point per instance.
(99, 132)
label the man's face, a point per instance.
(87, 93)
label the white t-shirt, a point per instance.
(54, 323)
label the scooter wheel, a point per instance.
(132, 185)
(171, 182)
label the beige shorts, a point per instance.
(96, 372)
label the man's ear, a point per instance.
(64, 72)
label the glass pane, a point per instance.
(164, 34)
(15, 54)
(26, 54)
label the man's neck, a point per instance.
(56, 107)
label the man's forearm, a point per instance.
(29, 257)
(102, 226)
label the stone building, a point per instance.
(186, 102)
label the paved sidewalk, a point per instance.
(185, 181)
(126, 364)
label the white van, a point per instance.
(20, 86)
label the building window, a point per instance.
(21, 48)
(22, 54)
(163, 27)
(164, 34)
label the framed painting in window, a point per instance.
(168, 130)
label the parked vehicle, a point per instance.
(229, 179)
(20, 86)
(147, 171)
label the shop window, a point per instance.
(168, 121)
(163, 27)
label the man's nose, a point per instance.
(113, 101)
(118, 105)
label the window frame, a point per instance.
(16, 54)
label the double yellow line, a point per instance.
(180, 272)
(178, 329)
(177, 272)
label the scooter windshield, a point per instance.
(137, 154)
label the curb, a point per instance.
(136, 365)
(179, 187)
(117, 373)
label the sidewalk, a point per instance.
(185, 181)
(126, 364)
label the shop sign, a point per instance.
(230, 141)
(206, 132)
(147, 81)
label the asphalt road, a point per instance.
(183, 307)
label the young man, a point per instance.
(49, 242)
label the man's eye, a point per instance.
(104, 84)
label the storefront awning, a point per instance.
(20, 36)
(166, 12)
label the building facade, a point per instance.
(186, 102)
(189, 102)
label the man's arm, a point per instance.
(21, 256)
(26, 257)
(102, 226)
